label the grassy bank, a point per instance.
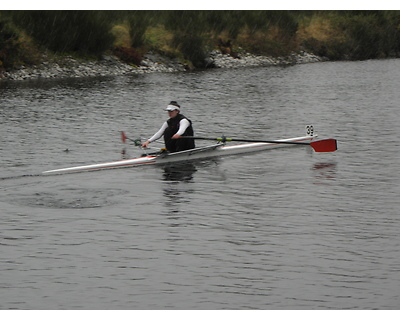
(29, 37)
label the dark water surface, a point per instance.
(280, 229)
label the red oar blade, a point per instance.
(327, 145)
(123, 137)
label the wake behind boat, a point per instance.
(214, 150)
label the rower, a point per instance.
(174, 128)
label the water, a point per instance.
(280, 229)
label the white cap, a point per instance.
(171, 107)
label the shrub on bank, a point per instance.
(191, 35)
(9, 45)
(15, 48)
(86, 32)
(351, 35)
(128, 55)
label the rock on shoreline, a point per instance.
(112, 66)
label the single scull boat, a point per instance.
(215, 150)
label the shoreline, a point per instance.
(110, 65)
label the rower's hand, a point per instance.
(176, 136)
(145, 144)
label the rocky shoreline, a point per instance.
(112, 66)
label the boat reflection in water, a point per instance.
(178, 179)
(179, 185)
(180, 171)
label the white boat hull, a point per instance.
(193, 154)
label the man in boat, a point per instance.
(175, 127)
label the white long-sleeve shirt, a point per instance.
(183, 125)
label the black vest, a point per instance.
(174, 145)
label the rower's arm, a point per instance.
(183, 125)
(159, 133)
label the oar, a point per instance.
(327, 145)
(124, 138)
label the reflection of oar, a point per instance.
(327, 145)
